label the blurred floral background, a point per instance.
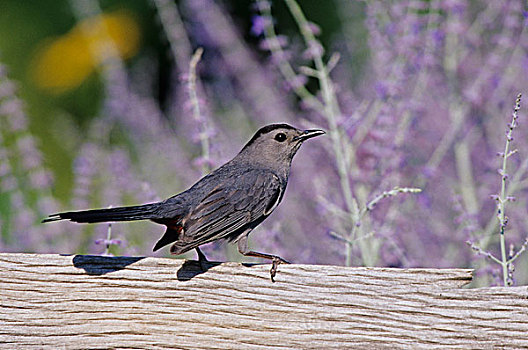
(102, 104)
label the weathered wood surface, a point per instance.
(80, 302)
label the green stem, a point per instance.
(502, 215)
(193, 96)
(502, 196)
(285, 68)
(331, 112)
(108, 238)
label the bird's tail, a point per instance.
(137, 212)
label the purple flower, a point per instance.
(108, 242)
(201, 161)
(381, 90)
(13, 110)
(7, 89)
(298, 81)
(314, 28)
(438, 36)
(280, 41)
(315, 49)
(259, 25)
(40, 179)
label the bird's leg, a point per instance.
(201, 259)
(275, 260)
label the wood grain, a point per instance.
(80, 302)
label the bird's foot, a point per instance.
(202, 259)
(276, 261)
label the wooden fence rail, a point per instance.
(78, 302)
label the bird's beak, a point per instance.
(308, 134)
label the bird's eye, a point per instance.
(280, 137)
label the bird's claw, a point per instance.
(202, 259)
(277, 260)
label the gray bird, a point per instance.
(226, 204)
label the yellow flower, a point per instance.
(63, 63)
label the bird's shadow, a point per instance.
(192, 268)
(101, 265)
(98, 265)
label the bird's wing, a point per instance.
(233, 204)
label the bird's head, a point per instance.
(276, 144)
